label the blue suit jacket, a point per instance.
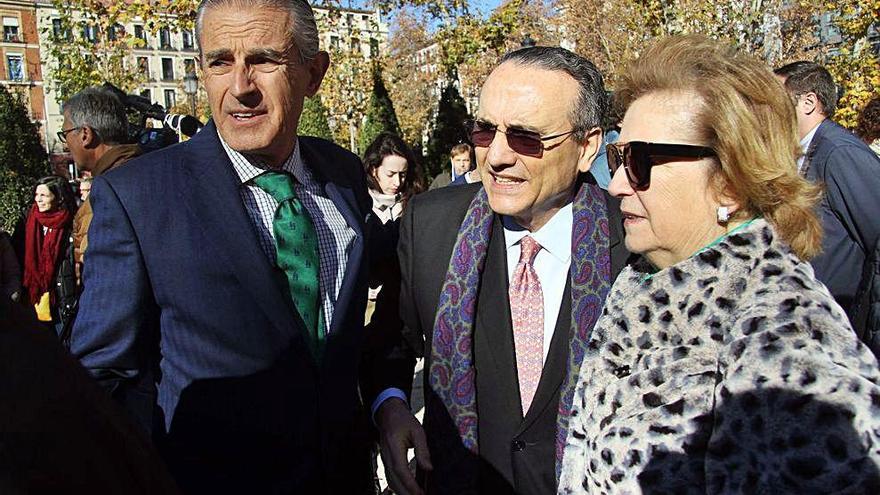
(183, 318)
(849, 210)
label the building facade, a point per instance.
(20, 63)
(163, 59)
(352, 29)
(167, 55)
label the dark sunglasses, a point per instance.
(637, 158)
(62, 135)
(528, 143)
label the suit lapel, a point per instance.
(554, 366)
(619, 255)
(211, 193)
(557, 363)
(494, 330)
(807, 170)
(340, 197)
(344, 200)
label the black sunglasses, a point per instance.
(62, 134)
(524, 142)
(637, 158)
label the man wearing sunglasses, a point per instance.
(849, 208)
(503, 281)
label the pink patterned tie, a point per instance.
(527, 313)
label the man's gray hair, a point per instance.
(100, 110)
(303, 30)
(592, 101)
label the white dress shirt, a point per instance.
(551, 264)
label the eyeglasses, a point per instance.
(62, 134)
(637, 158)
(528, 143)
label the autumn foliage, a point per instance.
(434, 43)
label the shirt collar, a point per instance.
(554, 236)
(248, 167)
(805, 142)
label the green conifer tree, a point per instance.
(380, 115)
(448, 130)
(22, 157)
(313, 120)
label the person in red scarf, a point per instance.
(44, 251)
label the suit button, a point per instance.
(518, 445)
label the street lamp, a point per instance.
(191, 87)
(527, 41)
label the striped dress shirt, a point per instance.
(335, 236)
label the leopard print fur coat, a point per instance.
(733, 371)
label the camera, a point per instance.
(153, 138)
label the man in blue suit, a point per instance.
(225, 285)
(850, 174)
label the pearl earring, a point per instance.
(723, 214)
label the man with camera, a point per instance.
(95, 131)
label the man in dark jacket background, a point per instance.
(850, 173)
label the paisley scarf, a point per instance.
(452, 362)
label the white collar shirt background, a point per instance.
(551, 263)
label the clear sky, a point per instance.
(484, 7)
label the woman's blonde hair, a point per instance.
(747, 117)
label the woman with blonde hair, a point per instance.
(720, 364)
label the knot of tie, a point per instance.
(279, 185)
(529, 248)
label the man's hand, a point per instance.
(400, 431)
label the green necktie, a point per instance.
(296, 244)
